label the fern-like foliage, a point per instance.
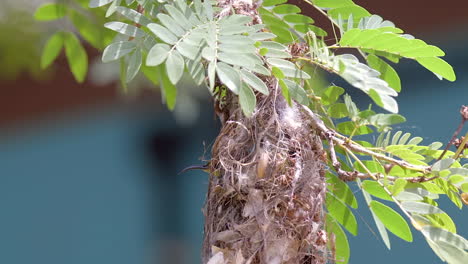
(169, 40)
(286, 22)
(209, 48)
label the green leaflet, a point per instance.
(355, 73)
(88, 30)
(331, 95)
(169, 90)
(439, 67)
(133, 15)
(387, 73)
(380, 226)
(174, 66)
(125, 29)
(372, 41)
(420, 208)
(333, 3)
(253, 81)
(392, 220)
(341, 190)
(350, 128)
(247, 100)
(50, 11)
(98, 3)
(134, 64)
(373, 188)
(448, 246)
(52, 49)
(296, 92)
(285, 21)
(342, 251)
(117, 50)
(339, 211)
(229, 76)
(355, 10)
(338, 110)
(76, 57)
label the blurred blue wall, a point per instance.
(102, 186)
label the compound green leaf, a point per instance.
(393, 221)
(52, 49)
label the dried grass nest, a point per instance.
(266, 187)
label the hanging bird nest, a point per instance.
(266, 188)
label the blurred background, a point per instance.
(90, 176)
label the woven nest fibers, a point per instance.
(267, 187)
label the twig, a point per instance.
(464, 115)
(140, 9)
(350, 145)
(461, 147)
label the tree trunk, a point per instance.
(266, 187)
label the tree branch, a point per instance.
(350, 145)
